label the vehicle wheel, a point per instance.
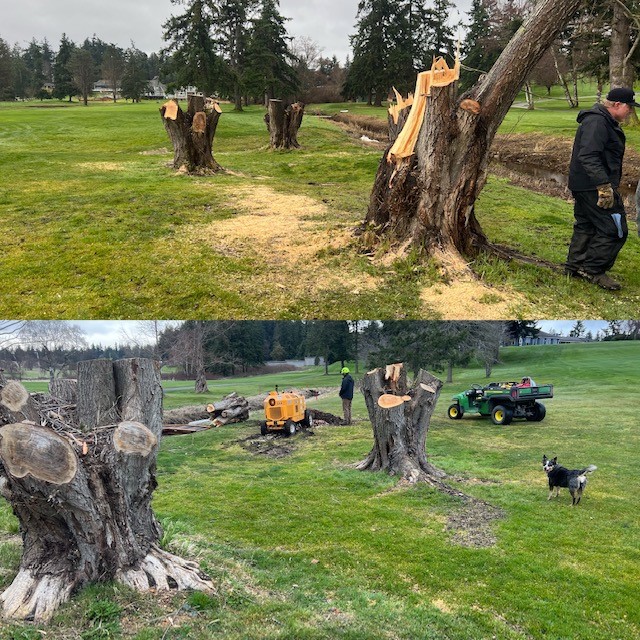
(501, 415)
(263, 428)
(455, 412)
(289, 428)
(541, 412)
(308, 419)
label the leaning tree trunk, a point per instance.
(192, 133)
(80, 483)
(400, 417)
(425, 198)
(283, 124)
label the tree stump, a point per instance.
(283, 124)
(423, 195)
(400, 417)
(192, 133)
(82, 489)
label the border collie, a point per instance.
(573, 479)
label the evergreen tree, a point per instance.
(62, 76)
(438, 34)
(83, 71)
(33, 60)
(20, 73)
(7, 90)
(480, 48)
(330, 339)
(135, 77)
(270, 70)
(193, 58)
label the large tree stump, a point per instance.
(192, 133)
(423, 197)
(400, 417)
(283, 124)
(82, 490)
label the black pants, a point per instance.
(597, 239)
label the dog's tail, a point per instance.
(589, 469)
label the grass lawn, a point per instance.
(97, 225)
(301, 545)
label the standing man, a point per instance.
(600, 227)
(346, 393)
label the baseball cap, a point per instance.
(622, 94)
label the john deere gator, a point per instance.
(503, 401)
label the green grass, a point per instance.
(96, 224)
(305, 546)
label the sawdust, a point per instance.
(103, 166)
(290, 235)
(463, 295)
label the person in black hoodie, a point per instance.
(600, 227)
(346, 393)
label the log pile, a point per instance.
(232, 408)
(80, 479)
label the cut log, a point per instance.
(400, 425)
(283, 123)
(16, 403)
(83, 499)
(192, 134)
(232, 408)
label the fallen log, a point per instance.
(231, 408)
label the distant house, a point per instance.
(544, 338)
(303, 362)
(184, 92)
(156, 90)
(103, 88)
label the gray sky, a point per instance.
(328, 22)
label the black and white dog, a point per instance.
(573, 479)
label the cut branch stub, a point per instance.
(133, 437)
(27, 449)
(14, 396)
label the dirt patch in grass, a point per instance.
(273, 445)
(103, 166)
(471, 525)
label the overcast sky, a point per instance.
(327, 22)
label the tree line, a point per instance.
(201, 349)
(240, 50)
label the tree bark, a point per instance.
(64, 389)
(232, 408)
(426, 201)
(283, 124)
(83, 493)
(400, 417)
(192, 133)
(620, 70)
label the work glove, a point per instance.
(605, 196)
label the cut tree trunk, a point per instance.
(82, 488)
(232, 408)
(424, 197)
(64, 389)
(400, 417)
(192, 133)
(283, 124)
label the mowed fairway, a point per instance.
(301, 545)
(96, 224)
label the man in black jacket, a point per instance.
(600, 227)
(346, 393)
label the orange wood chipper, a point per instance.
(285, 412)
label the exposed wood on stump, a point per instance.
(400, 418)
(82, 490)
(232, 408)
(283, 124)
(192, 133)
(424, 196)
(64, 389)
(398, 114)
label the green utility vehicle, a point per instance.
(503, 401)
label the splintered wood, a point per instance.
(440, 75)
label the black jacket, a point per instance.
(598, 150)
(346, 388)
